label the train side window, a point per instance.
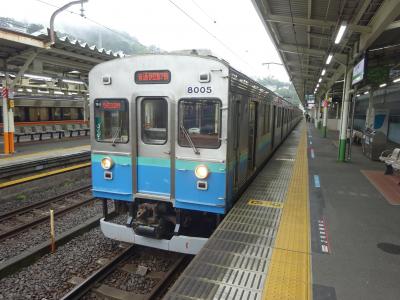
(111, 121)
(154, 121)
(200, 123)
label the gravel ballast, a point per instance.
(48, 278)
(41, 233)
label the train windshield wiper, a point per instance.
(189, 139)
(116, 135)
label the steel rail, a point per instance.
(16, 230)
(27, 208)
(83, 288)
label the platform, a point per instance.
(308, 227)
(264, 240)
(355, 229)
(38, 151)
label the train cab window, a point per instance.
(111, 120)
(154, 121)
(199, 123)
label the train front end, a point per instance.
(159, 147)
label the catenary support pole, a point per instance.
(345, 116)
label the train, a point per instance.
(175, 140)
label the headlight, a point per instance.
(201, 172)
(107, 163)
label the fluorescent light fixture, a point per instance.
(323, 72)
(72, 93)
(38, 77)
(29, 90)
(340, 33)
(58, 93)
(319, 80)
(396, 80)
(366, 93)
(43, 92)
(20, 90)
(73, 81)
(382, 85)
(329, 59)
(358, 95)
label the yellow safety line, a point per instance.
(289, 273)
(41, 175)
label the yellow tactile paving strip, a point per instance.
(42, 175)
(289, 274)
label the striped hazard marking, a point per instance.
(271, 204)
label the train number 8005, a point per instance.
(199, 90)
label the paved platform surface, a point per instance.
(46, 149)
(262, 248)
(355, 231)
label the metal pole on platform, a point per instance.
(11, 126)
(325, 116)
(345, 116)
(317, 109)
(4, 93)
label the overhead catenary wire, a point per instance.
(209, 32)
(90, 20)
(204, 12)
(176, 6)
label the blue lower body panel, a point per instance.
(119, 187)
(188, 196)
(154, 180)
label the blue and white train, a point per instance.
(176, 140)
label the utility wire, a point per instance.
(210, 33)
(204, 12)
(176, 6)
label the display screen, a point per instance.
(110, 105)
(358, 72)
(146, 77)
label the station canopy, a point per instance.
(66, 58)
(304, 33)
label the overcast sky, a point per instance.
(241, 37)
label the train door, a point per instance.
(236, 143)
(272, 124)
(153, 170)
(252, 136)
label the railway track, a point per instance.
(23, 218)
(103, 283)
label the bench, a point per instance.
(20, 131)
(391, 158)
(50, 129)
(71, 129)
(81, 128)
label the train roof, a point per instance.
(238, 79)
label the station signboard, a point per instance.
(358, 72)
